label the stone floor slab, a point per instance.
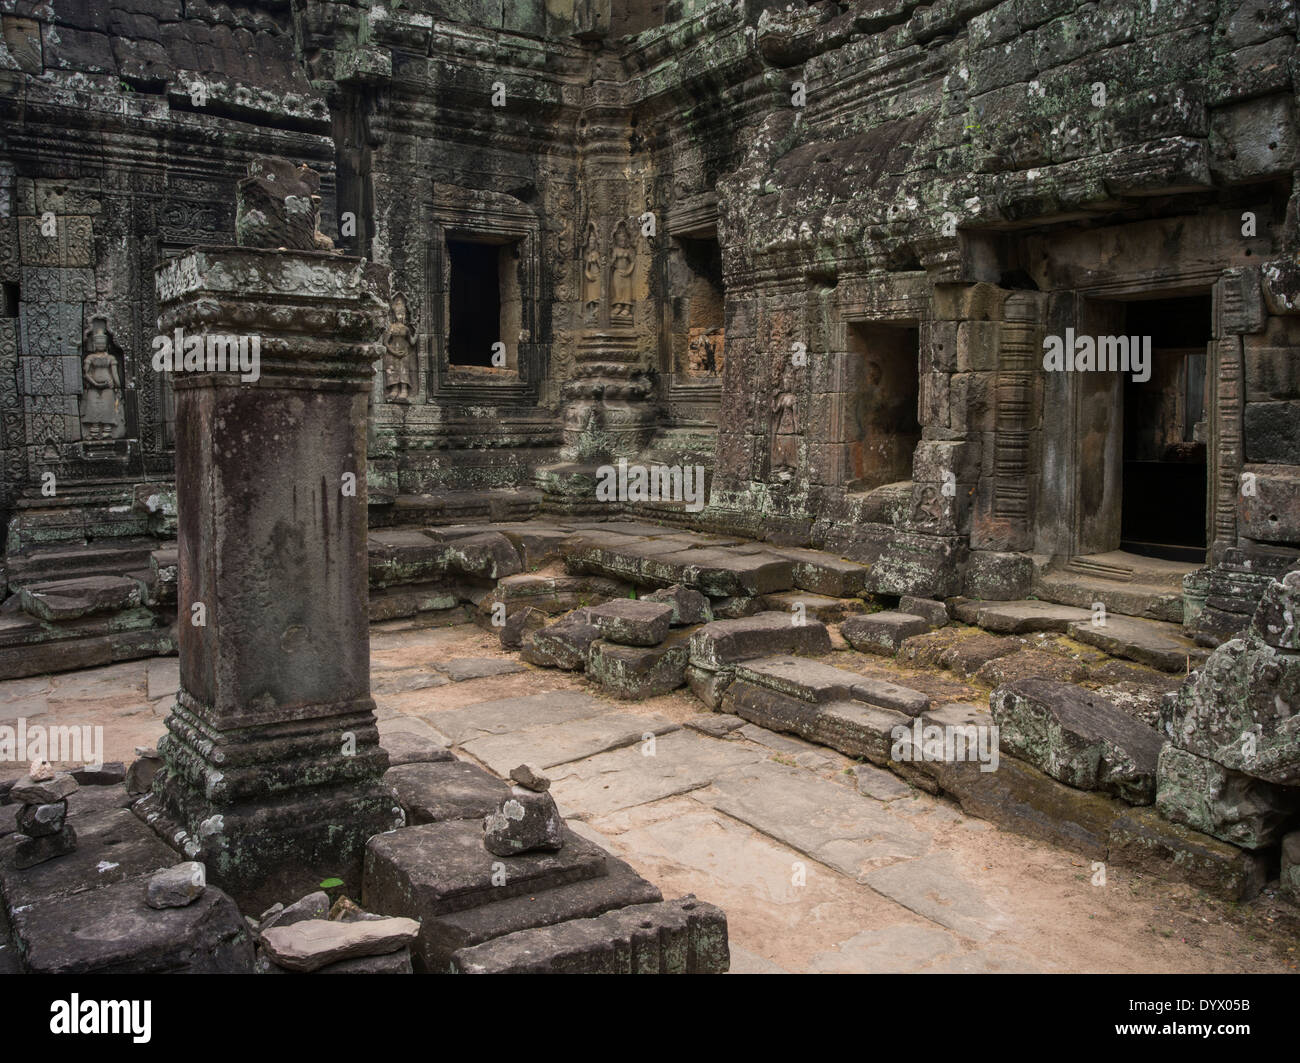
(933, 887)
(512, 714)
(551, 745)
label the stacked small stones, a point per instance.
(527, 820)
(44, 832)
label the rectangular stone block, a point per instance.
(1143, 839)
(71, 244)
(110, 930)
(431, 870)
(42, 284)
(1222, 803)
(49, 329)
(684, 936)
(639, 672)
(1078, 737)
(724, 642)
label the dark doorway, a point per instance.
(475, 302)
(1164, 497)
(882, 408)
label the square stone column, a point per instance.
(272, 761)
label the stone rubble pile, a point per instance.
(43, 830)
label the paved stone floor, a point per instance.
(822, 865)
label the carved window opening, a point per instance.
(880, 407)
(697, 297)
(484, 305)
(1164, 497)
(9, 296)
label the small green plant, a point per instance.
(331, 883)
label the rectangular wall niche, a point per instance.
(880, 417)
(696, 293)
(484, 303)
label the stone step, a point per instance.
(1148, 642)
(882, 632)
(1019, 618)
(72, 599)
(639, 672)
(683, 936)
(442, 935)
(724, 642)
(110, 557)
(1153, 601)
(438, 868)
(445, 790)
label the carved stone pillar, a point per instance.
(273, 766)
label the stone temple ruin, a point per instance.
(693, 347)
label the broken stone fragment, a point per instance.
(1222, 803)
(530, 778)
(40, 771)
(524, 822)
(882, 633)
(631, 622)
(56, 788)
(313, 906)
(346, 910)
(520, 624)
(140, 775)
(29, 851)
(563, 644)
(689, 606)
(1277, 620)
(40, 820)
(313, 943)
(175, 887)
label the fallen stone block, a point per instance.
(315, 905)
(70, 599)
(1077, 737)
(1020, 618)
(431, 870)
(887, 695)
(734, 607)
(526, 821)
(175, 887)
(689, 606)
(406, 747)
(807, 605)
(859, 730)
(799, 678)
(488, 555)
(716, 724)
(29, 851)
(994, 576)
(883, 632)
(36, 821)
(1027, 801)
(823, 573)
(398, 962)
(1241, 710)
(1220, 802)
(639, 672)
(1150, 642)
(724, 642)
(564, 644)
(29, 791)
(519, 625)
(932, 612)
(312, 943)
(721, 573)
(397, 557)
(445, 790)
(707, 684)
(631, 622)
(684, 936)
(111, 930)
(1141, 838)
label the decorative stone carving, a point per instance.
(592, 296)
(399, 346)
(278, 206)
(103, 409)
(785, 426)
(622, 275)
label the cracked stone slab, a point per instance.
(459, 669)
(565, 742)
(933, 887)
(682, 761)
(893, 950)
(1019, 618)
(512, 714)
(815, 816)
